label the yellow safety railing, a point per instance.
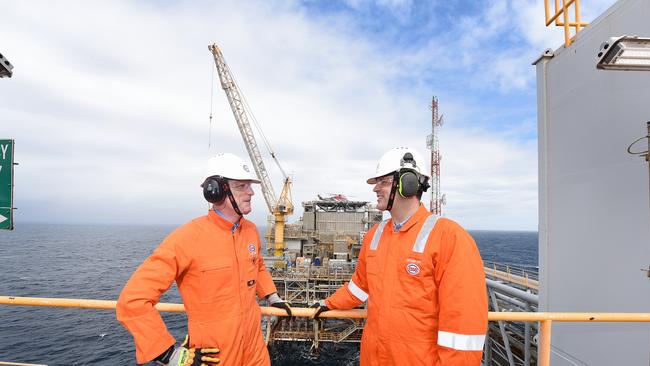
(545, 319)
(511, 274)
(565, 22)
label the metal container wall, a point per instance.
(341, 222)
(594, 210)
(308, 221)
(340, 246)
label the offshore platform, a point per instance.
(320, 256)
(311, 258)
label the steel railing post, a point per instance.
(544, 343)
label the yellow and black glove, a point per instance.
(184, 356)
(276, 301)
(320, 307)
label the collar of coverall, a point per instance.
(223, 223)
(398, 225)
(419, 214)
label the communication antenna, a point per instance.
(437, 199)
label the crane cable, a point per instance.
(257, 126)
(211, 97)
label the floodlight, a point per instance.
(5, 67)
(624, 53)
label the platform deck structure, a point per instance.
(509, 288)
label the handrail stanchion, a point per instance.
(544, 350)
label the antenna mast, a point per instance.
(437, 200)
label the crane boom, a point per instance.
(278, 207)
(236, 104)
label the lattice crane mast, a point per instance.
(283, 206)
(437, 199)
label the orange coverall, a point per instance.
(218, 272)
(427, 302)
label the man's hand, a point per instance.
(276, 301)
(184, 356)
(320, 307)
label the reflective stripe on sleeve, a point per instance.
(375, 238)
(423, 235)
(357, 291)
(461, 342)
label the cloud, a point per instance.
(110, 102)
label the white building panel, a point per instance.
(594, 219)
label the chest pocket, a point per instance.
(373, 275)
(251, 272)
(372, 265)
(217, 281)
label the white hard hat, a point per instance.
(393, 160)
(229, 166)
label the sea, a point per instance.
(94, 262)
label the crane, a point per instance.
(278, 207)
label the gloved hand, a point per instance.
(184, 356)
(276, 301)
(320, 307)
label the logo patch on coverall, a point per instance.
(252, 250)
(412, 269)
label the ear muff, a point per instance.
(409, 183)
(424, 183)
(215, 189)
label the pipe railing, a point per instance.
(512, 274)
(546, 319)
(566, 21)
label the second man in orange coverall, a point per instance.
(216, 262)
(421, 275)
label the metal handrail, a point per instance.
(546, 319)
(512, 274)
(515, 269)
(565, 22)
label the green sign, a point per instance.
(6, 184)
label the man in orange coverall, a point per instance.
(421, 275)
(216, 262)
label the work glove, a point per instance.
(320, 307)
(276, 301)
(184, 356)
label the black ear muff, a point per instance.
(409, 183)
(424, 183)
(215, 189)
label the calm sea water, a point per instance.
(94, 262)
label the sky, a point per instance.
(110, 101)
